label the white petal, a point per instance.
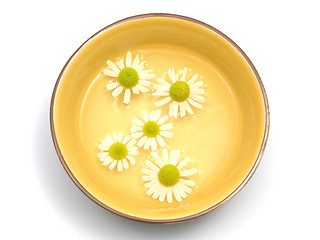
(136, 62)
(142, 88)
(183, 77)
(135, 129)
(109, 140)
(166, 126)
(102, 159)
(120, 137)
(131, 143)
(163, 192)
(157, 115)
(176, 193)
(151, 115)
(145, 116)
(135, 90)
(153, 144)
(193, 103)
(113, 164)
(144, 83)
(142, 141)
(197, 91)
(105, 143)
(187, 182)
(119, 166)
(107, 161)
(131, 159)
(157, 159)
(161, 88)
(147, 144)
(165, 156)
(163, 82)
(133, 149)
(162, 101)
(172, 75)
(148, 178)
(174, 157)
(151, 166)
(183, 163)
(166, 134)
(140, 66)
(189, 172)
(154, 115)
(163, 119)
(161, 141)
(127, 95)
(173, 111)
(112, 85)
(135, 153)
(169, 194)
(162, 94)
(146, 71)
(138, 122)
(147, 76)
(182, 109)
(197, 85)
(197, 98)
(188, 108)
(151, 183)
(148, 172)
(120, 63)
(156, 191)
(110, 73)
(153, 189)
(128, 59)
(115, 137)
(113, 67)
(103, 155)
(180, 190)
(150, 191)
(184, 187)
(193, 79)
(117, 91)
(125, 163)
(103, 147)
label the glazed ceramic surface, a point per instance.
(225, 139)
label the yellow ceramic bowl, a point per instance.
(225, 140)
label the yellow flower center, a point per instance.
(179, 91)
(128, 77)
(169, 175)
(118, 151)
(151, 129)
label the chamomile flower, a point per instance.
(128, 75)
(151, 130)
(117, 150)
(181, 93)
(166, 177)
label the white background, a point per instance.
(39, 201)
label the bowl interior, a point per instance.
(223, 139)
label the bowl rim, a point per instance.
(185, 218)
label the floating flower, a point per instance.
(151, 130)
(167, 176)
(118, 150)
(129, 75)
(182, 93)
